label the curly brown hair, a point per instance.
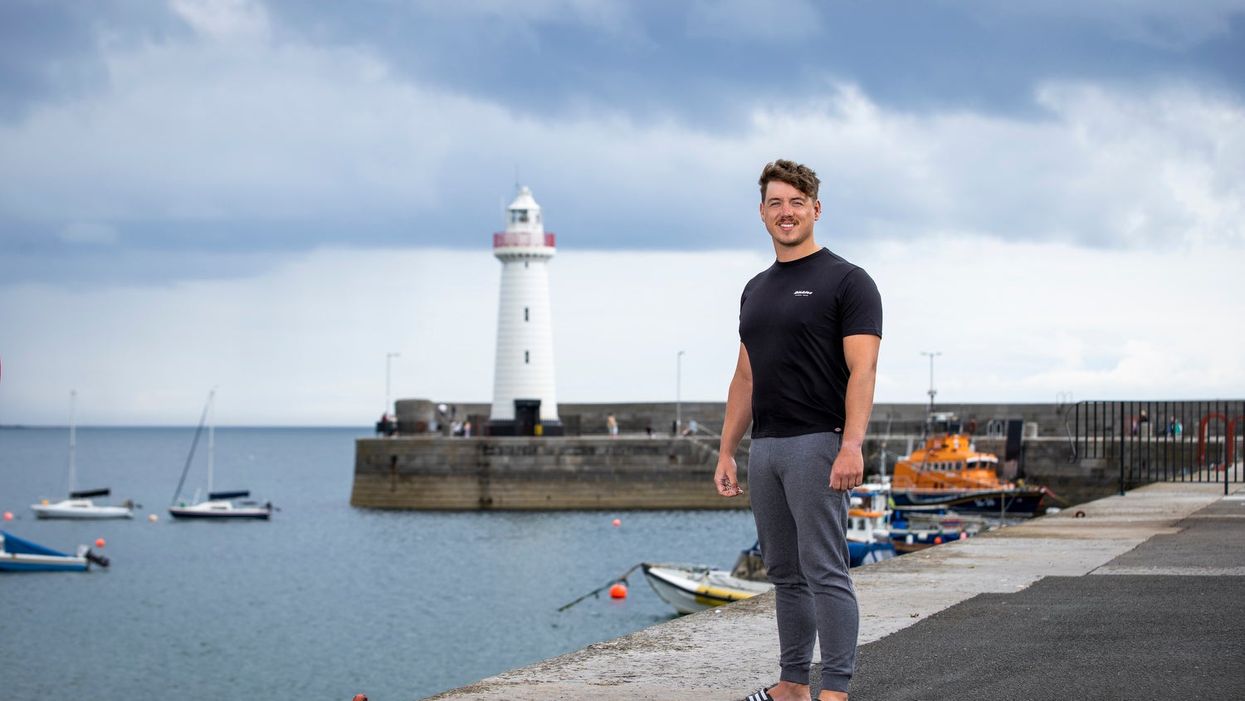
(797, 175)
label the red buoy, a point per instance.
(8, 516)
(618, 591)
(937, 540)
(617, 522)
(99, 542)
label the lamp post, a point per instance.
(678, 392)
(932, 391)
(388, 358)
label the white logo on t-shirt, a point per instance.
(803, 293)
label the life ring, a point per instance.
(1080, 514)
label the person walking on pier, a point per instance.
(810, 327)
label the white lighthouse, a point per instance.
(524, 401)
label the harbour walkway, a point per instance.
(1140, 596)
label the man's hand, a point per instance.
(848, 470)
(724, 478)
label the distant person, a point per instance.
(1143, 424)
(467, 428)
(611, 426)
(810, 327)
(648, 429)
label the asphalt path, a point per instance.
(1165, 620)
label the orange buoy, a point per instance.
(100, 542)
(618, 591)
(153, 518)
(963, 535)
(8, 516)
(617, 522)
(937, 540)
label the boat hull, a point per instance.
(10, 562)
(905, 541)
(1013, 502)
(691, 589)
(257, 514)
(866, 553)
(89, 512)
(21, 555)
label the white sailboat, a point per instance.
(79, 504)
(218, 505)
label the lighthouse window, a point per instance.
(518, 216)
(525, 315)
(527, 357)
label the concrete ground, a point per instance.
(1129, 597)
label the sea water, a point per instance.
(322, 602)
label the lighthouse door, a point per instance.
(526, 416)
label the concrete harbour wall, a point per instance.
(589, 470)
(438, 473)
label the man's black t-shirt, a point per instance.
(792, 320)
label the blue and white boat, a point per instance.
(868, 525)
(21, 555)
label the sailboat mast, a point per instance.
(73, 438)
(193, 443)
(211, 438)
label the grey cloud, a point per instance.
(208, 148)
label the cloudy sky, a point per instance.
(269, 197)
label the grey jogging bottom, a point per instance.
(802, 525)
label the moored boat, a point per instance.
(948, 472)
(219, 506)
(692, 588)
(911, 532)
(868, 525)
(80, 508)
(80, 505)
(21, 555)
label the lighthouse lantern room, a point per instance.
(524, 400)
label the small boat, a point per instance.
(222, 505)
(219, 505)
(21, 555)
(911, 532)
(692, 588)
(80, 505)
(947, 472)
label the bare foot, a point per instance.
(826, 695)
(788, 691)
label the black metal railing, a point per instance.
(1163, 441)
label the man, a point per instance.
(810, 326)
